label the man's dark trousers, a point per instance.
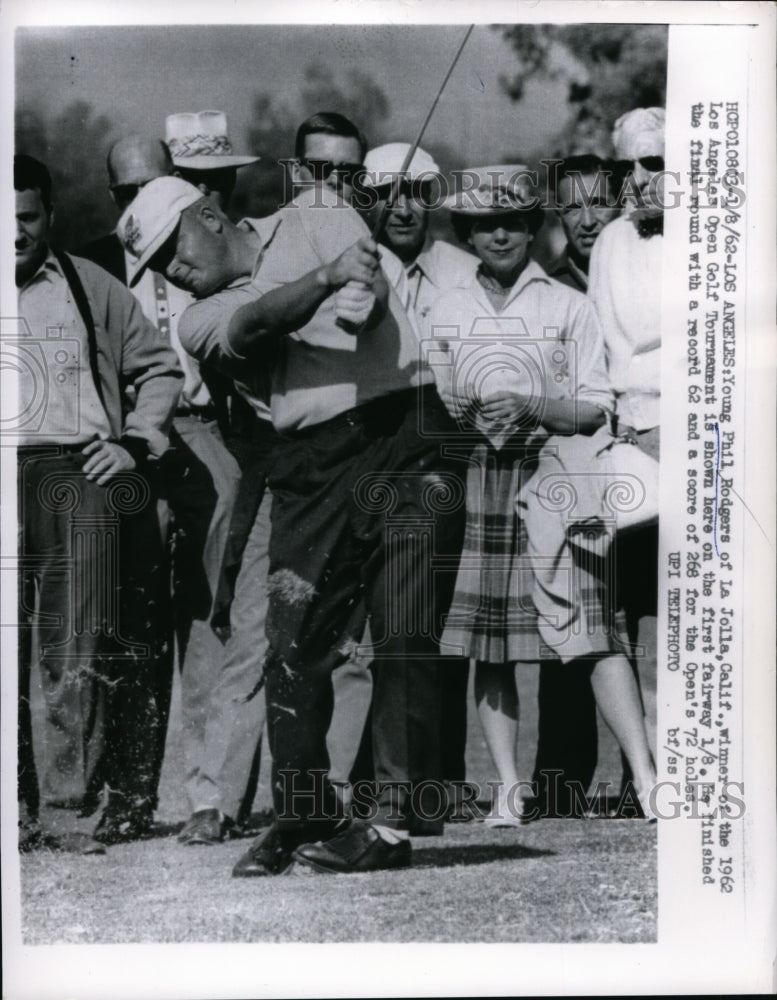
(89, 552)
(365, 514)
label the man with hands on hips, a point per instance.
(85, 544)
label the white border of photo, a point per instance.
(703, 947)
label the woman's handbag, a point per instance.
(631, 483)
(598, 485)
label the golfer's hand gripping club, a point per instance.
(353, 275)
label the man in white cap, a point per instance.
(203, 155)
(431, 266)
(200, 481)
(202, 152)
(270, 295)
(625, 287)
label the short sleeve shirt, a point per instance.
(320, 370)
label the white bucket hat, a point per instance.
(198, 140)
(152, 217)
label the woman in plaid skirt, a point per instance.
(519, 357)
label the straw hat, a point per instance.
(198, 140)
(497, 190)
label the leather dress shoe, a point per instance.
(206, 826)
(269, 854)
(357, 848)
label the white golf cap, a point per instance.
(384, 162)
(151, 218)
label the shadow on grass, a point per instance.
(473, 854)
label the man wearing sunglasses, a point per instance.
(625, 287)
(328, 151)
(330, 155)
(132, 162)
(625, 262)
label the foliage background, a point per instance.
(519, 93)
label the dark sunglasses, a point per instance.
(322, 170)
(652, 163)
(125, 193)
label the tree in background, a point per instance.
(73, 146)
(610, 69)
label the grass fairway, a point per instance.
(551, 881)
(556, 880)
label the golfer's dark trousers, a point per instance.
(367, 519)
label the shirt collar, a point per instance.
(565, 263)
(424, 261)
(50, 265)
(531, 273)
(265, 229)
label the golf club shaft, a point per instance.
(380, 225)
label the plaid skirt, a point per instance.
(493, 617)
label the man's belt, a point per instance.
(205, 413)
(382, 410)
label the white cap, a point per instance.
(152, 217)
(384, 162)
